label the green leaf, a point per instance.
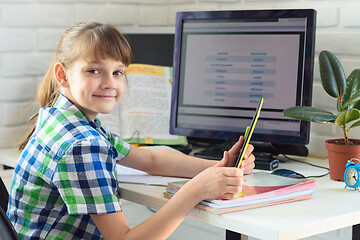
(356, 124)
(311, 114)
(352, 88)
(352, 102)
(332, 74)
(357, 105)
(347, 116)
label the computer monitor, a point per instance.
(225, 61)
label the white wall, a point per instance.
(29, 32)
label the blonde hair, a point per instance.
(88, 41)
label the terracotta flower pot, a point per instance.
(339, 154)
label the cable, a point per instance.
(311, 164)
(300, 161)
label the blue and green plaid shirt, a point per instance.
(66, 172)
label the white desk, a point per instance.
(332, 207)
(9, 156)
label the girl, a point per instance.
(65, 184)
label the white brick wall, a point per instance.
(30, 30)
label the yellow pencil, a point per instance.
(248, 133)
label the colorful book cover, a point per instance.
(260, 189)
(251, 206)
(245, 207)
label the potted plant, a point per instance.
(347, 93)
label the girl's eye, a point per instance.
(118, 73)
(94, 71)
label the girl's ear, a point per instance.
(60, 74)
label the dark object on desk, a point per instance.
(356, 232)
(267, 165)
(216, 151)
(184, 149)
(152, 48)
(263, 160)
(262, 151)
(230, 235)
(276, 149)
(287, 173)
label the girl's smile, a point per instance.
(105, 97)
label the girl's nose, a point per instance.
(109, 82)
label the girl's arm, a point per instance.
(216, 182)
(171, 163)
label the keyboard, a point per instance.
(215, 152)
(263, 160)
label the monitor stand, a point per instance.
(265, 153)
(276, 149)
(215, 152)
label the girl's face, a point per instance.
(95, 87)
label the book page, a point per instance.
(130, 175)
(143, 114)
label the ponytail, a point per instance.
(49, 90)
(47, 95)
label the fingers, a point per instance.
(248, 164)
(218, 182)
(233, 172)
(235, 181)
(231, 192)
(224, 161)
(229, 196)
(249, 150)
(237, 146)
(227, 172)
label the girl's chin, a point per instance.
(105, 111)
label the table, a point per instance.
(332, 207)
(9, 156)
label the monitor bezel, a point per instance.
(309, 14)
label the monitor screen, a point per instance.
(225, 61)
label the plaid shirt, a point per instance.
(66, 172)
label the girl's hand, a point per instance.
(247, 164)
(217, 182)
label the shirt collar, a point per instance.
(66, 104)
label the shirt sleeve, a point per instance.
(122, 147)
(86, 178)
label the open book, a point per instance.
(143, 114)
(260, 189)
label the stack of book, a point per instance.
(260, 189)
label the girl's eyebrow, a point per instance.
(121, 65)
